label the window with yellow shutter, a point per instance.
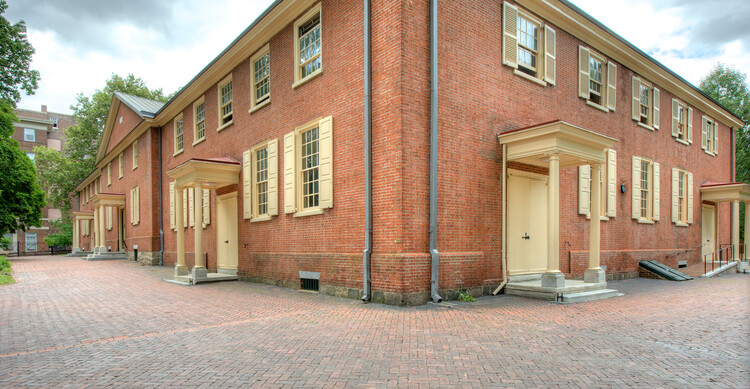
(645, 190)
(646, 103)
(528, 45)
(608, 191)
(597, 79)
(308, 168)
(682, 122)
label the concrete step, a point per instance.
(591, 295)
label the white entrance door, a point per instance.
(527, 223)
(708, 226)
(226, 232)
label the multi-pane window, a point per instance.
(121, 166)
(179, 139)
(709, 135)
(30, 241)
(225, 102)
(200, 121)
(309, 46)
(528, 45)
(645, 190)
(682, 126)
(29, 135)
(262, 72)
(135, 154)
(261, 180)
(645, 104)
(309, 168)
(54, 122)
(681, 198)
(644, 101)
(31, 156)
(595, 80)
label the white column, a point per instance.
(747, 230)
(102, 242)
(553, 278)
(199, 270)
(76, 236)
(179, 268)
(95, 237)
(595, 273)
(736, 229)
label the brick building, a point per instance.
(396, 192)
(39, 128)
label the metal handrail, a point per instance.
(724, 254)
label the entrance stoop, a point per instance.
(222, 275)
(105, 256)
(572, 291)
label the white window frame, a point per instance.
(309, 15)
(546, 46)
(121, 167)
(652, 200)
(135, 154)
(608, 93)
(607, 190)
(29, 135)
(293, 175)
(652, 115)
(54, 122)
(178, 133)
(36, 242)
(682, 130)
(31, 156)
(250, 182)
(197, 122)
(255, 103)
(225, 120)
(709, 135)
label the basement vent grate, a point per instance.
(309, 284)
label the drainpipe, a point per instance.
(161, 227)
(504, 243)
(731, 204)
(434, 255)
(367, 252)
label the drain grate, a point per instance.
(309, 284)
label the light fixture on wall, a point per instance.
(622, 188)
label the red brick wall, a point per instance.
(120, 130)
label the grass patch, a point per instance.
(5, 271)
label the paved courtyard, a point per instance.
(68, 322)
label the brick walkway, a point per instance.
(77, 323)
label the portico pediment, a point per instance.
(109, 199)
(732, 191)
(209, 173)
(574, 145)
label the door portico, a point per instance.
(734, 193)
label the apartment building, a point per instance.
(401, 151)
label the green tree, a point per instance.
(728, 86)
(15, 58)
(63, 236)
(22, 197)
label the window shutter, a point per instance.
(656, 192)
(611, 85)
(108, 216)
(690, 126)
(290, 196)
(690, 198)
(611, 183)
(656, 115)
(675, 119)
(132, 206)
(675, 195)
(171, 206)
(109, 174)
(636, 99)
(326, 162)
(247, 209)
(716, 138)
(549, 55)
(184, 208)
(584, 189)
(206, 207)
(510, 35)
(273, 177)
(191, 207)
(137, 205)
(636, 189)
(583, 73)
(704, 132)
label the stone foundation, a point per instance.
(145, 258)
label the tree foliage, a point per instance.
(15, 59)
(63, 236)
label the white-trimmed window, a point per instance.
(597, 79)
(121, 166)
(135, 154)
(29, 135)
(645, 190)
(528, 45)
(189, 203)
(199, 120)
(260, 79)
(179, 135)
(31, 241)
(682, 197)
(608, 187)
(308, 46)
(308, 168)
(260, 181)
(225, 103)
(645, 104)
(31, 155)
(108, 217)
(709, 135)
(135, 206)
(109, 174)
(54, 122)
(682, 122)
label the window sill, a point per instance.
(645, 221)
(259, 106)
(308, 78)
(681, 224)
(528, 77)
(597, 106)
(178, 153)
(225, 125)
(682, 141)
(709, 153)
(309, 212)
(602, 218)
(262, 218)
(645, 126)
(199, 141)
(134, 167)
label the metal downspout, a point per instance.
(434, 255)
(161, 227)
(734, 177)
(367, 252)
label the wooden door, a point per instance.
(527, 224)
(708, 226)
(226, 232)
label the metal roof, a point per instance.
(144, 107)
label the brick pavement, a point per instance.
(68, 322)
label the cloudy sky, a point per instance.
(80, 43)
